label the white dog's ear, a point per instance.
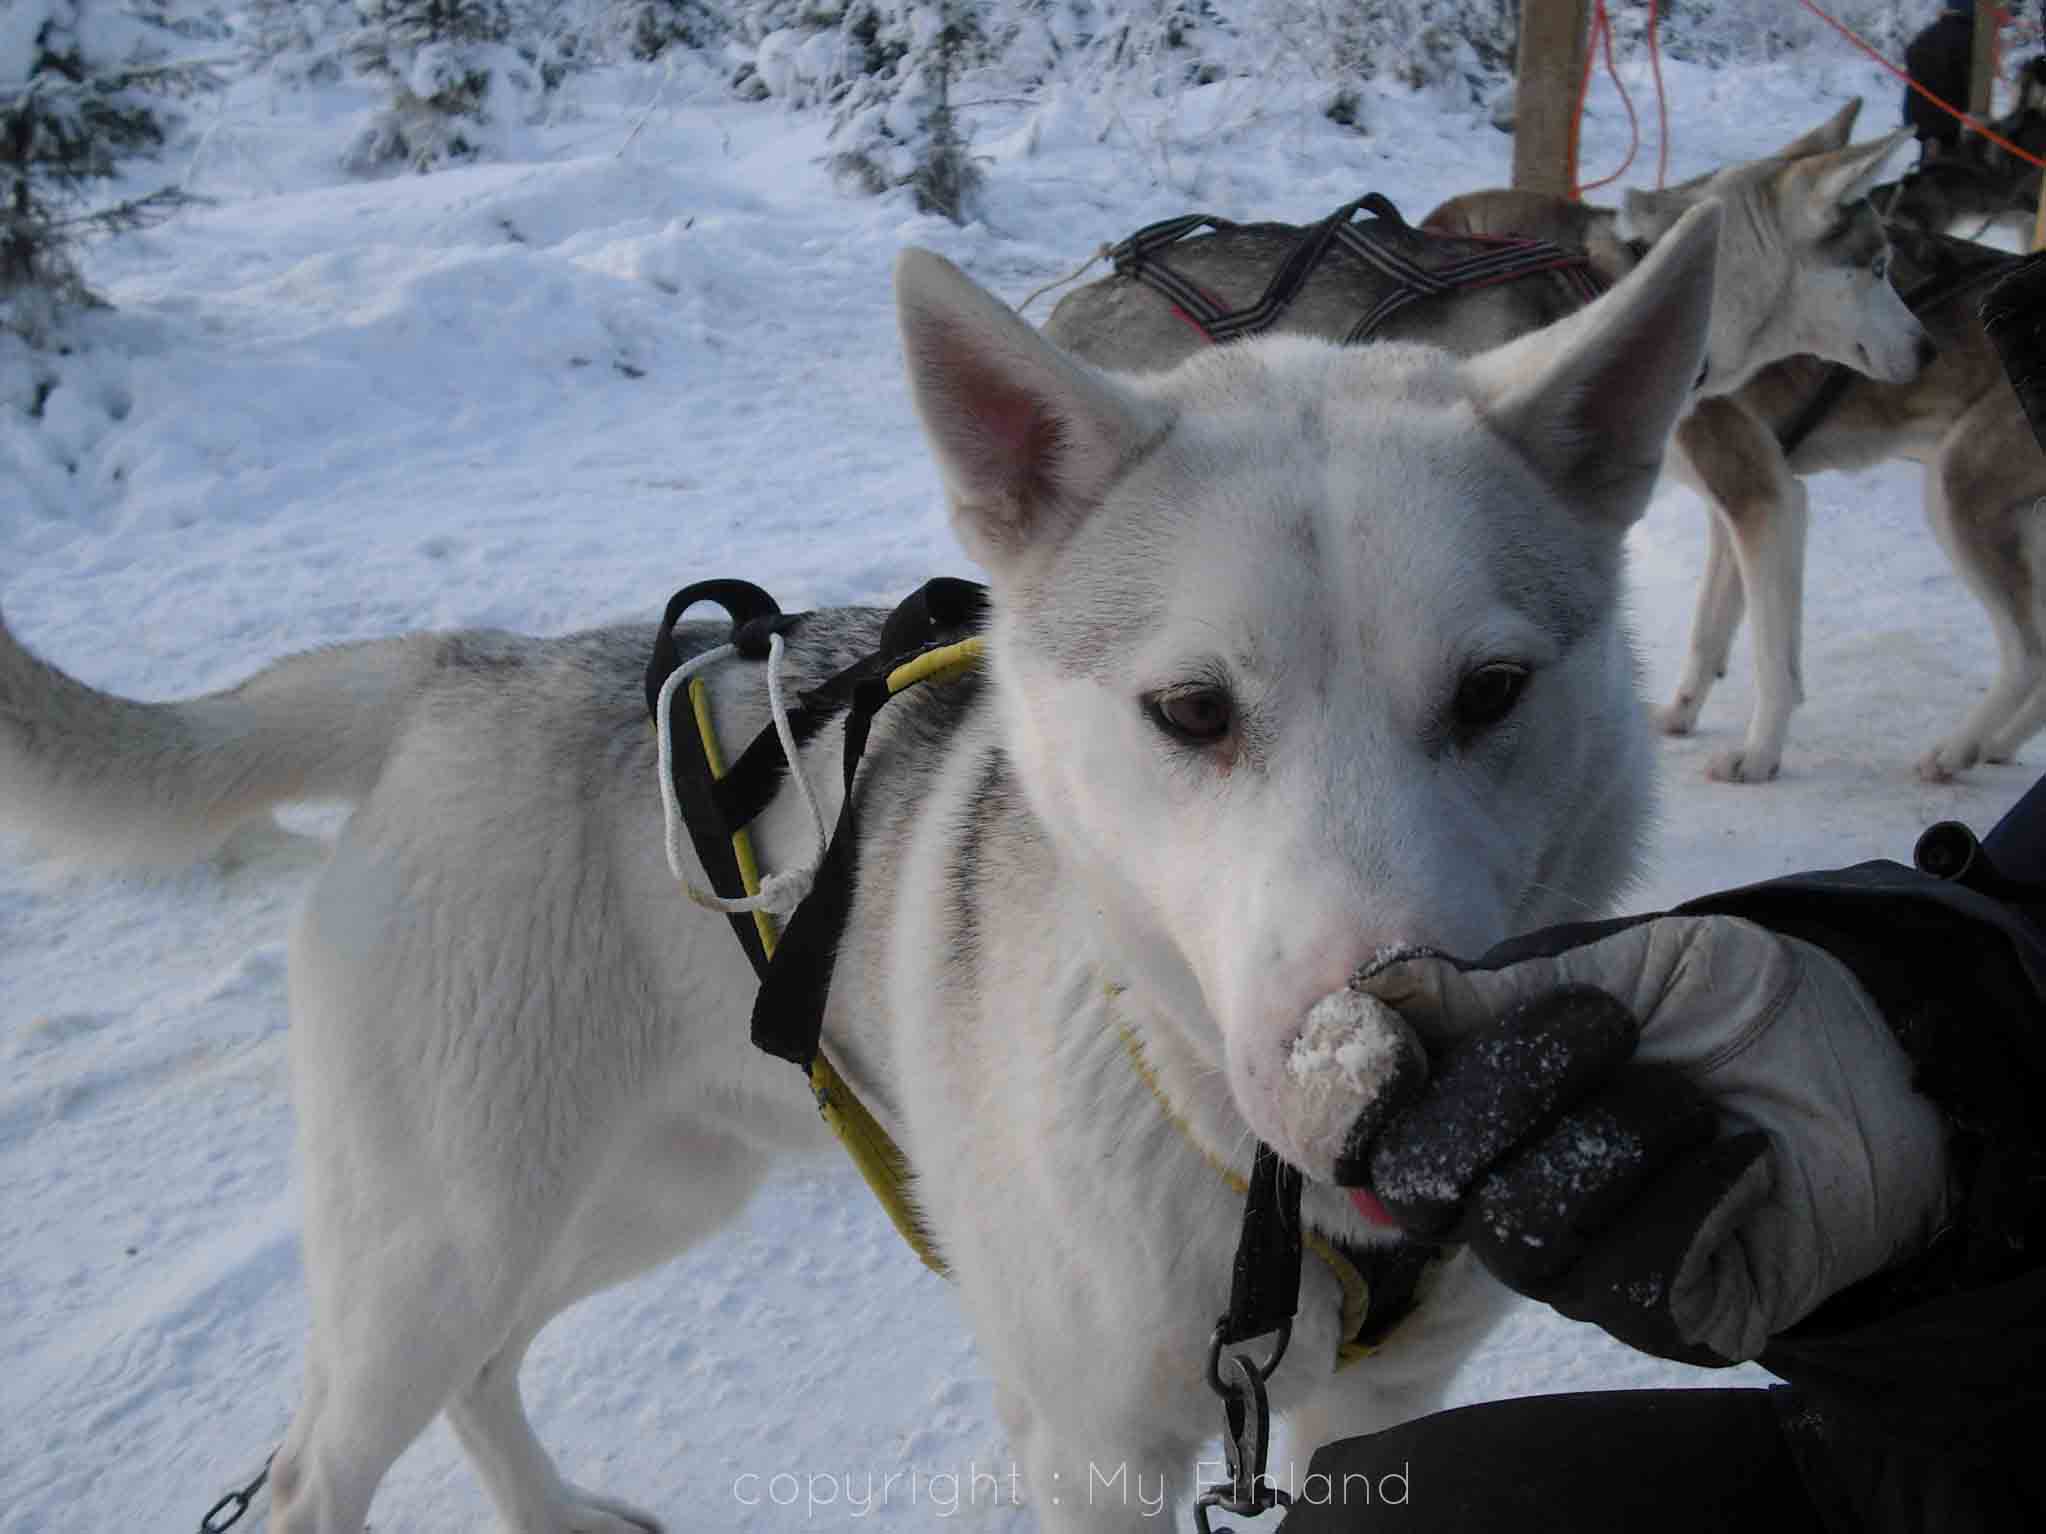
(1825, 182)
(1831, 134)
(1027, 439)
(1591, 400)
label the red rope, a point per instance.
(1602, 34)
(1974, 124)
(1599, 44)
(1661, 101)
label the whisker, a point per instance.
(1576, 900)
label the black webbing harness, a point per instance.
(718, 803)
(1959, 277)
(1141, 257)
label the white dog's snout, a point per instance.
(1900, 363)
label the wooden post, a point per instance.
(1547, 73)
(1982, 58)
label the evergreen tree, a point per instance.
(298, 41)
(453, 76)
(895, 124)
(68, 119)
(649, 28)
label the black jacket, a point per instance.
(1915, 1401)
(1937, 58)
(1920, 1394)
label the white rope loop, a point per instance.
(780, 893)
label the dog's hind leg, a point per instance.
(672, 1186)
(383, 1362)
(1769, 541)
(1983, 522)
(1729, 454)
(1720, 605)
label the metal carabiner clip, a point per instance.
(1246, 1440)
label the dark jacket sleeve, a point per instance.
(1926, 1385)
(1937, 58)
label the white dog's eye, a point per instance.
(1487, 695)
(1198, 716)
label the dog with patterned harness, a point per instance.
(1747, 454)
(1788, 283)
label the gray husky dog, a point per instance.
(1746, 452)
(1296, 652)
(1800, 271)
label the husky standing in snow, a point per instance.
(1746, 454)
(1297, 653)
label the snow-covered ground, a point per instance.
(546, 393)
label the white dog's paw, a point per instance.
(1949, 757)
(1679, 716)
(584, 1512)
(1742, 766)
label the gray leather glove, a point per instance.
(1691, 1132)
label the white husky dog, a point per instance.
(1296, 653)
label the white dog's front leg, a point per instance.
(1405, 1379)
(1129, 1477)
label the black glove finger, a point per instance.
(1538, 1210)
(1489, 1092)
(1627, 1280)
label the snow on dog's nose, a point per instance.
(1353, 1064)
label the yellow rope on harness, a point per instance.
(1356, 1288)
(939, 665)
(742, 844)
(880, 1161)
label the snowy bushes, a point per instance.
(81, 91)
(458, 77)
(1723, 31)
(297, 42)
(454, 78)
(890, 70)
(895, 125)
(649, 28)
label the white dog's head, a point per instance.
(1306, 652)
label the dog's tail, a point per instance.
(92, 776)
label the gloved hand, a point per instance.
(1690, 1132)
